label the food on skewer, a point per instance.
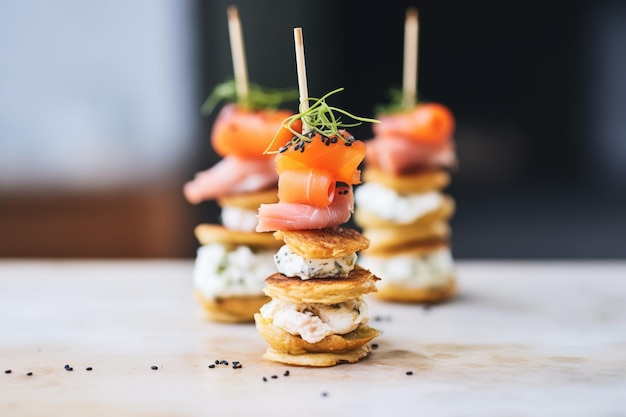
(401, 206)
(318, 315)
(233, 258)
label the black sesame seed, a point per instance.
(286, 373)
(8, 371)
(29, 374)
(324, 394)
(217, 362)
(374, 345)
(274, 376)
(89, 368)
(68, 368)
(264, 379)
(212, 366)
(237, 366)
(409, 372)
(235, 362)
(224, 362)
(154, 367)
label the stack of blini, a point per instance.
(402, 208)
(233, 258)
(318, 315)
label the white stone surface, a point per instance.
(521, 339)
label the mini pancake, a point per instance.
(389, 239)
(318, 360)
(282, 341)
(335, 242)
(417, 182)
(250, 201)
(233, 309)
(215, 233)
(413, 250)
(442, 213)
(321, 290)
(433, 294)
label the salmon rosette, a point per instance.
(414, 139)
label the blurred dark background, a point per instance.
(538, 90)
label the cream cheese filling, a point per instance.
(313, 322)
(222, 272)
(387, 204)
(239, 219)
(432, 269)
(292, 265)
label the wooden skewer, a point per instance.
(301, 68)
(411, 37)
(238, 53)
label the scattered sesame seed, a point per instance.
(324, 394)
(286, 373)
(212, 366)
(264, 379)
(409, 372)
(8, 371)
(68, 368)
(235, 362)
(274, 376)
(237, 366)
(89, 368)
(154, 367)
(29, 374)
(224, 362)
(374, 345)
(217, 362)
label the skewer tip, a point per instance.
(232, 11)
(411, 13)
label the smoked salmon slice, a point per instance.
(427, 124)
(231, 175)
(295, 216)
(246, 133)
(312, 186)
(341, 158)
(400, 156)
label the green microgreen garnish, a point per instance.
(320, 118)
(396, 103)
(258, 97)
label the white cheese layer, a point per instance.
(433, 269)
(313, 322)
(239, 219)
(219, 272)
(292, 265)
(387, 204)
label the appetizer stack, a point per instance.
(233, 258)
(401, 207)
(317, 316)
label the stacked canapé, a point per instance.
(318, 315)
(233, 258)
(402, 207)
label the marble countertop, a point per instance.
(534, 338)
